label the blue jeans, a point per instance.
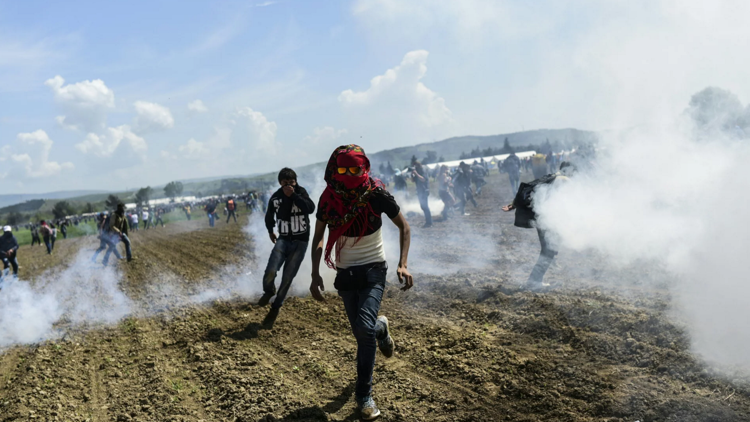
(514, 179)
(362, 308)
(128, 250)
(289, 253)
(10, 262)
(211, 218)
(48, 244)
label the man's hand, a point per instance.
(272, 235)
(405, 278)
(288, 190)
(316, 287)
(508, 208)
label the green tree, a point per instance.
(430, 158)
(441, 159)
(62, 209)
(173, 189)
(143, 196)
(111, 202)
(14, 218)
(507, 149)
(88, 208)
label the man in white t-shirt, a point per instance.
(351, 207)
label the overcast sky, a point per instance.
(97, 95)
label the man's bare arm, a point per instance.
(316, 287)
(404, 231)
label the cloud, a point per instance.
(261, 133)
(84, 104)
(151, 117)
(120, 138)
(324, 136)
(194, 150)
(33, 156)
(413, 111)
(197, 106)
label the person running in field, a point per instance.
(106, 240)
(46, 233)
(210, 209)
(444, 190)
(159, 212)
(8, 250)
(35, 235)
(422, 181)
(288, 209)
(526, 218)
(145, 215)
(134, 221)
(351, 208)
(512, 166)
(118, 227)
(231, 205)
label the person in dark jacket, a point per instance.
(231, 209)
(118, 229)
(35, 239)
(526, 218)
(8, 249)
(210, 209)
(288, 210)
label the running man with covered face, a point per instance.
(351, 208)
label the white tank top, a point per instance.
(368, 250)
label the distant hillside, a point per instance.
(12, 199)
(451, 148)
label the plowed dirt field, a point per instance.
(472, 343)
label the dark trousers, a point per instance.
(464, 196)
(448, 202)
(159, 221)
(290, 254)
(425, 206)
(10, 262)
(546, 256)
(48, 244)
(35, 239)
(362, 307)
(231, 214)
(52, 240)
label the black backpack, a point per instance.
(524, 209)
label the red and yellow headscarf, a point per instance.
(346, 199)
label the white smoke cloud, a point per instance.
(85, 103)
(413, 111)
(120, 138)
(658, 195)
(197, 106)
(82, 293)
(33, 156)
(151, 117)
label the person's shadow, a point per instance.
(249, 332)
(318, 413)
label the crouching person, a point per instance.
(351, 207)
(288, 209)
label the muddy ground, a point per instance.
(472, 343)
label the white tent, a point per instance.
(492, 159)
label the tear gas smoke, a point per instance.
(79, 294)
(661, 196)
